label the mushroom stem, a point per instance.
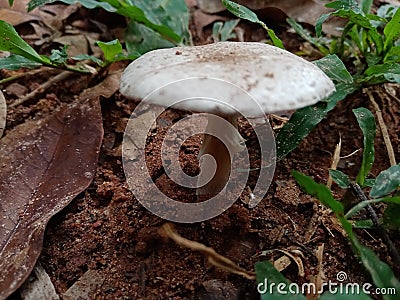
(213, 145)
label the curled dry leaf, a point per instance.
(213, 257)
(43, 166)
(3, 113)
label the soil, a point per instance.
(106, 230)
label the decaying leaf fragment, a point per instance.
(43, 166)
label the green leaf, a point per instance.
(88, 57)
(110, 49)
(59, 57)
(141, 39)
(369, 182)
(135, 13)
(272, 285)
(10, 41)
(392, 30)
(344, 5)
(15, 62)
(382, 73)
(319, 191)
(386, 182)
(243, 12)
(363, 224)
(391, 216)
(173, 13)
(340, 178)
(304, 120)
(366, 6)
(381, 273)
(224, 31)
(10, 2)
(366, 121)
(393, 55)
(318, 25)
(335, 69)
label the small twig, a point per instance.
(385, 237)
(59, 77)
(335, 161)
(27, 74)
(213, 257)
(384, 130)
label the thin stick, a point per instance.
(59, 77)
(26, 74)
(335, 161)
(384, 130)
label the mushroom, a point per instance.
(276, 79)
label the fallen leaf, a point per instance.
(85, 287)
(106, 88)
(3, 113)
(38, 286)
(307, 11)
(43, 166)
(282, 263)
(77, 44)
(201, 20)
(15, 18)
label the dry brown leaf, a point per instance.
(335, 161)
(38, 286)
(43, 166)
(282, 263)
(307, 11)
(3, 113)
(15, 18)
(77, 44)
(106, 88)
(201, 20)
(213, 257)
(85, 287)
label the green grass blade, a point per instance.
(366, 121)
(382, 275)
(319, 191)
(386, 182)
(392, 30)
(307, 36)
(366, 6)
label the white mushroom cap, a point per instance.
(276, 79)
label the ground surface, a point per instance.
(106, 230)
